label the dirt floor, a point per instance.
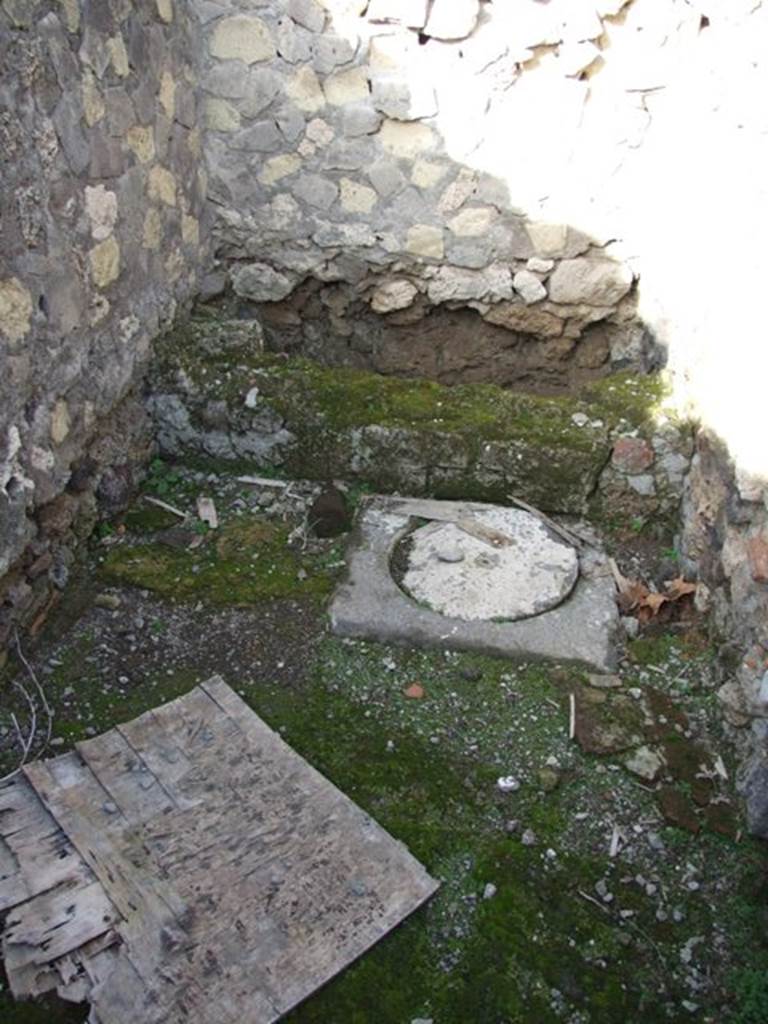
(574, 888)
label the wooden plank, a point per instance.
(124, 774)
(80, 810)
(35, 855)
(240, 878)
(58, 922)
(166, 758)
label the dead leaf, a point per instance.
(631, 592)
(678, 588)
(654, 602)
(415, 691)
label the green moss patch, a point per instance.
(247, 561)
(468, 440)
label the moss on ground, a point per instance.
(545, 946)
(247, 561)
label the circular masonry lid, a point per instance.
(459, 575)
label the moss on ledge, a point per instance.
(468, 440)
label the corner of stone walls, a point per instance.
(104, 237)
(341, 195)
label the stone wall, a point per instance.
(352, 224)
(100, 218)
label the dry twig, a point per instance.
(26, 742)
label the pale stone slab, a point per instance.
(190, 866)
(452, 19)
(584, 629)
(596, 282)
(242, 37)
(460, 575)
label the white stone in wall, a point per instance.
(458, 192)
(394, 52)
(453, 284)
(580, 22)
(61, 421)
(104, 260)
(539, 266)
(118, 56)
(278, 167)
(308, 14)
(425, 240)
(101, 207)
(344, 8)
(305, 91)
(594, 282)
(242, 37)
(609, 8)
(393, 295)
(452, 19)
(330, 51)
(141, 141)
(412, 13)
(261, 283)
(529, 287)
(343, 235)
(547, 239)
(356, 198)
(320, 132)
(406, 139)
(574, 58)
(162, 185)
(473, 221)
(293, 42)
(426, 173)
(281, 216)
(530, 23)
(347, 87)
(15, 309)
(404, 99)
(221, 116)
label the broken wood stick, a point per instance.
(206, 512)
(591, 899)
(487, 534)
(164, 504)
(563, 532)
(461, 516)
(572, 720)
(262, 481)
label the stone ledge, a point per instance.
(369, 604)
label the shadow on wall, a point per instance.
(346, 135)
(365, 213)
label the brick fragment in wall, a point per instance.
(757, 553)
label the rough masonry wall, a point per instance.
(100, 219)
(341, 196)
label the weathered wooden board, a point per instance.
(211, 873)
